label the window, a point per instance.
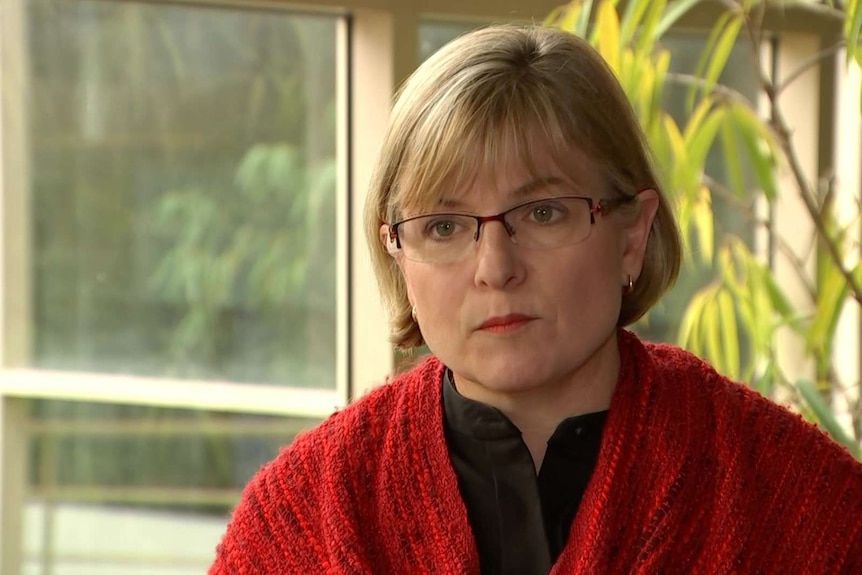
(178, 174)
(183, 191)
(132, 489)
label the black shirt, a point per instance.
(520, 521)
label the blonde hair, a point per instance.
(478, 100)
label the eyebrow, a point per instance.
(526, 189)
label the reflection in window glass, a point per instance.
(183, 178)
(127, 489)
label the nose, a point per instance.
(498, 264)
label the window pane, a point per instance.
(183, 190)
(128, 490)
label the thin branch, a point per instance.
(755, 38)
(755, 23)
(821, 10)
(796, 262)
(807, 64)
(808, 198)
(728, 196)
(720, 89)
(731, 5)
(806, 193)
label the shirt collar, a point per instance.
(473, 418)
(484, 422)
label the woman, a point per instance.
(516, 226)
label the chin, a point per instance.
(508, 376)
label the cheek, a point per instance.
(432, 291)
(590, 283)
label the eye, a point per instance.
(546, 213)
(443, 228)
(543, 214)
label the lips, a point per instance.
(505, 323)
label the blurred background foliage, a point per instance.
(184, 204)
(728, 306)
(184, 191)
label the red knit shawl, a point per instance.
(696, 474)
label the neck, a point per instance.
(538, 411)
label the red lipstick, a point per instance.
(505, 323)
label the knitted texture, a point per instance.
(696, 474)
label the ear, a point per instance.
(389, 243)
(385, 238)
(637, 232)
(392, 247)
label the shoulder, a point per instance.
(778, 473)
(341, 445)
(759, 452)
(736, 409)
(411, 394)
(320, 482)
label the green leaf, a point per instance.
(825, 417)
(777, 299)
(690, 328)
(570, 16)
(677, 143)
(732, 164)
(708, 48)
(662, 63)
(554, 18)
(646, 36)
(759, 147)
(853, 27)
(729, 334)
(674, 12)
(721, 52)
(703, 221)
(764, 383)
(831, 286)
(700, 137)
(710, 331)
(583, 21)
(631, 19)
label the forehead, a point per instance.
(512, 169)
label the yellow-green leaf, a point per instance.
(759, 146)
(609, 35)
(853, 27)
(721, 53)
(570, 16)
(646, 36)
(708, 50)
(703, 222)
(733, 167)
(729, 334)
(631, 19)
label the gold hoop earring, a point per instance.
(629, 285)
(413, 314)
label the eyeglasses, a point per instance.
(440, 238)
